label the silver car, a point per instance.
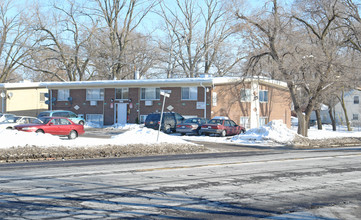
(4, 117)
(18, 120)
(191, 126)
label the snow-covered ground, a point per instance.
(274, 133)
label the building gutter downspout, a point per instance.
(205, 100)
(50, 98)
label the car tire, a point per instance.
(81, 122)
(223, 133)
(73, 134)
(200, 133)
(243, 131)
(9, 128)
(39, 131)
(183, 134)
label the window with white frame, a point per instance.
(43, 97)
(263, 121)
(95, 119)
(356, 99)
(95, 94)
(355, 117)
(121, 93)
(150, 94)
(189, 93)
(245, 122)
(214, 99)
(245, 95)
(63, 94)
(263, 96)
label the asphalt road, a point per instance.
(259, 183)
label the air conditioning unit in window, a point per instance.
(93, 103)
(148, 103)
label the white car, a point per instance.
(18, 120)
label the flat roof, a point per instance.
(214, 81)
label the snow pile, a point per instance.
(124, 126)
(138, 135)
(135, 134)
(14, 138)
(275, 131)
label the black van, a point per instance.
(169, 121)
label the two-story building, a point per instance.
(250, 102)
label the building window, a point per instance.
(263, 121)
(43, 98)
(263, 96)
(95, 94)
(356, 99)
(355, 117)
(189, 93)
(63, 94)
(245, 95)
(95, 119)
(245, 122)
(122, 93)
(150, 93)
(214, 99)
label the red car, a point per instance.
(222, 127)
(55, 126)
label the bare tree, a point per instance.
(14, 41)
(60, 53)
(197, 32)
(297, 48)
(120, 19)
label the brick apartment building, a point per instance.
(250, 102)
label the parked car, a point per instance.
(191, 126)
(54, 125)
(222, 127)
(169, 121)
(4, 117)
(63, 113)
(18, 120)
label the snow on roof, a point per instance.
(145, 82)
(21, 85)
(137, 83)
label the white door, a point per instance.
(120, 113)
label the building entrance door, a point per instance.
(120, 113)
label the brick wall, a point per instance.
(228, 104)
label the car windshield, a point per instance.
(12, 120)
(215, 121)
(192, 120)
(42, 121)
(43, 114)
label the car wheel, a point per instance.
(39, 131)
(183, 134)
(166, 129)
(81, 122)
(200, 133)
(73, 134)
(9, 128)
(243, 131)
(223, 133)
